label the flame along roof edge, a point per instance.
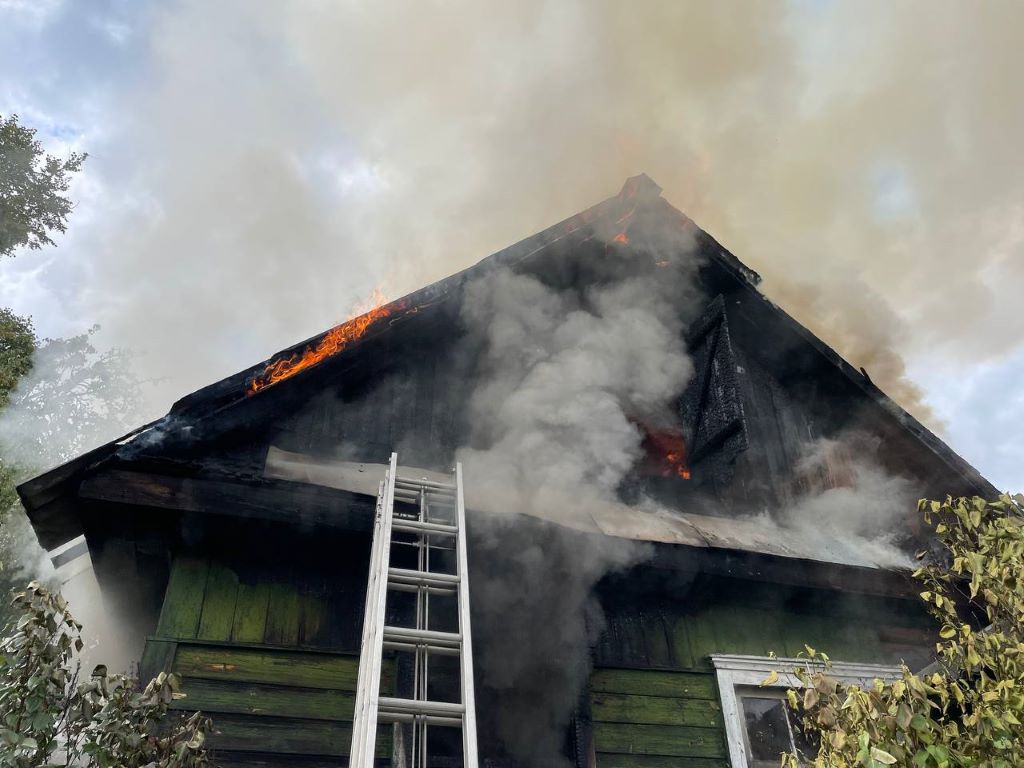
(231, 390)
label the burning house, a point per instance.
(665, 479)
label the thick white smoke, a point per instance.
(73, 399)
(564, 377)
(853, 509)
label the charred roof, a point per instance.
(240, 415)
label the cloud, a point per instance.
(984, 406)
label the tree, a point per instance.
(17, 344)
(968, 709)
(52, 717)
(33, 186)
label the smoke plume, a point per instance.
(261, 169)
(564, 375)
(852, 510)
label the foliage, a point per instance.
(50, 717)
(968, 708)
(17, 344)
(33, 202)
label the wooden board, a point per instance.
(283, 615)
(218, 603)
(219, 696)
(666, 740)
(250, 665)
(609, 760)
(183, 602)
(250, 622)
(692, 685)
(654, 710)
(241, 733)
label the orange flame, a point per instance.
(622, 239)
(667, 451)
(334, 341)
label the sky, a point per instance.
(256, 170)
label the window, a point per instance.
(758, 722)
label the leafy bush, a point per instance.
(50, 717)
(965, 710)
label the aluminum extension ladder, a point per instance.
(431, 520)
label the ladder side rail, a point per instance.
(359, 724)
(377, 660)
(469, 745)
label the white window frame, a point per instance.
(745, 672)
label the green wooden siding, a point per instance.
(653, 692)
(656, 718)
(207, 599)
(269, 706)
(265, 651)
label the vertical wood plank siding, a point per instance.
(269, 660)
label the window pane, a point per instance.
(767, 733)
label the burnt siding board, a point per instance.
(711, 407)
(407, 407)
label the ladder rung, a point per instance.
(415, 526)
(408, 717)
(414, 707)
(400, 587)
(422, 637)
(424, 578)
(432, 493)
(410, 496)
(435, 650)
(408, 481)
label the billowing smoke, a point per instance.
(850, 508)
(254, 171)
(565, 375)
(73, 399)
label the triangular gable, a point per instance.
(248, 396)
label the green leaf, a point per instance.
(881, 756)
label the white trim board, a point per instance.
(734, 672)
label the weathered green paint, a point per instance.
(283, 616)
(218, 603)
(655, 713)
(690, 685)
(311, 620)
(273, 702)
(234, 630)
(225, 759)
(660, 761)
(667, 740)
(274, 667)
(654, 710)
(215, 696)
(241, 733)
(251, 607)
(157, 657)
(183, 601)
(653, 695)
